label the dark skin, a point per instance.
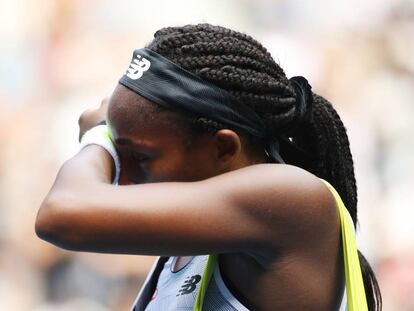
(177, 196)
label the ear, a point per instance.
(228, 147)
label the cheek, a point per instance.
(170, 167)
(198, 166)
(175, 165)
(176, 168)
(155, 170)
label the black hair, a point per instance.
(241, 65)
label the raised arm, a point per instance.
(259, 207)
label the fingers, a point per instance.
(90, 117)
(104, 103)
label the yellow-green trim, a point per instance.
(207, 274)
(355, 291)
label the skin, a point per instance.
(180, 196)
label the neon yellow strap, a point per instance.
(205, 280)
(355, 291)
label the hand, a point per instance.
(91, 117)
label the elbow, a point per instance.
(45, 227)
(52, 224)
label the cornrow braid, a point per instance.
(241, 65)
(207, 125)
(166, 39)
(229, 59)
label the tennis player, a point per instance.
(240, 179)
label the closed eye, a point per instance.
(133, 154)
(139, 156)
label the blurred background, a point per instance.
(60, 57)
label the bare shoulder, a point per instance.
(280, 183)
(291, 201)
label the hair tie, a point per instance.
(304, 100)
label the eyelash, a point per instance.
(136, 156)
(139, 157)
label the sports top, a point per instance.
(179, 290)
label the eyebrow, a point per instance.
(126, 142)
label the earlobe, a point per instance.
(228, 146)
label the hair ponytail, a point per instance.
(372, 290)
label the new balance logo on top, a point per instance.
(189, 285)
(137, 67)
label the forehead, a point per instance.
(130, 109)
(131, 114)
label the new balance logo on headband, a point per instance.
(137, 67)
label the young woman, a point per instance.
(223, 168)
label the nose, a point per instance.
(131, 173)
(123, 178)
(131, 176)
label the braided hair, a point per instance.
(242, 66)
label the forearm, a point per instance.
(225, 213)
(93, 164)
(77, 179)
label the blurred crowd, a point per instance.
(60, 57)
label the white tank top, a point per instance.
(178, 290)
